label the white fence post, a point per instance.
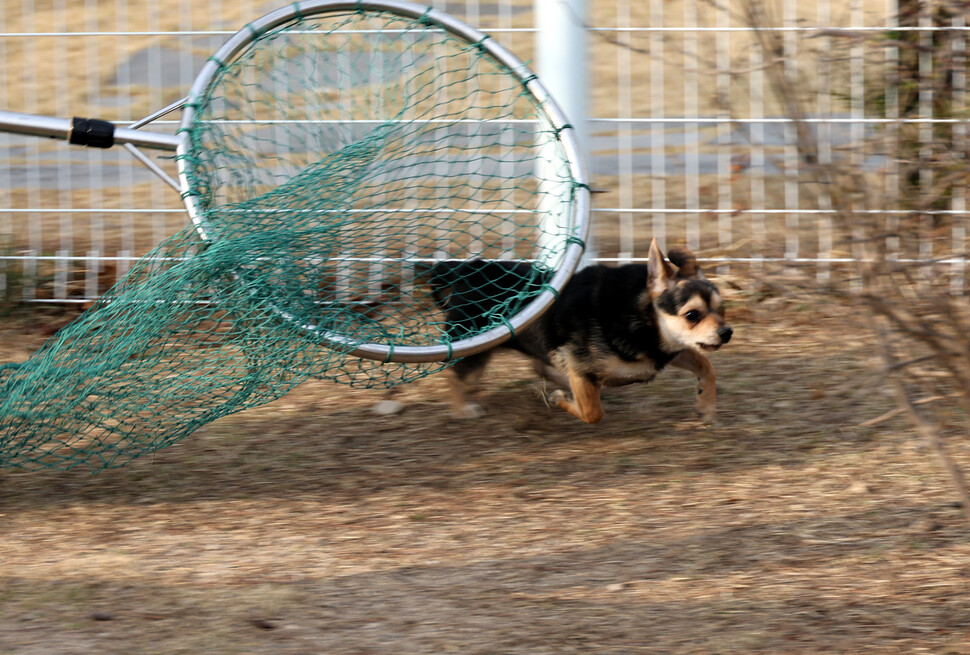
(562, 64)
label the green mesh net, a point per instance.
(332, 163)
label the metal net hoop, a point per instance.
(370, 141)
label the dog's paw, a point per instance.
(557, 398)
(708, 415)
(469, 410)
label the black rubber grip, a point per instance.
(92, 132)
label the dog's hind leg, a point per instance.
(465, 375)
(547, 372)
(700, 366)
(583, 400)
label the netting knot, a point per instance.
(551, 289)
(425, 18)
(220, 63)
(480, 45)
(559, 130)
(575, 241)
(577, 185)
(507, 324)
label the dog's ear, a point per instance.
(686, 263)
(659, 271)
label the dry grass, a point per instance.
(310, 525)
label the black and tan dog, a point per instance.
(610, 326)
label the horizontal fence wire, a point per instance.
(689, 143)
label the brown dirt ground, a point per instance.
(312, 526)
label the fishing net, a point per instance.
(331, 163)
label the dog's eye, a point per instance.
(693, 316)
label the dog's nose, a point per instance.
(725, 333)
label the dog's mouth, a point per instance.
(709, 347)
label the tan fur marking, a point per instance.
(700, 366)
(584, 401)
(716, 301)
(695, 302)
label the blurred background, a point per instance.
(686, 141)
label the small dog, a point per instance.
(610, 326)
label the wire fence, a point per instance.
(688, 143)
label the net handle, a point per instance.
(566, 134)
(85, 131)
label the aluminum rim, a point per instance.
(579, 219)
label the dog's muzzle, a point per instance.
(723, 334)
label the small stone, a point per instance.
(387, 408)
(263, 624)
(102, 616)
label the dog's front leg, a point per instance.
(584, 400)
(700, 366)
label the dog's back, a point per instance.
(473, 291)
(601, 309)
